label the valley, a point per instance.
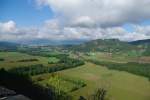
(63, 73)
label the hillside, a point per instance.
(43, 42)
(8, 46)
(144, 44)
(138, 42)
(106, 45)
(140, 47)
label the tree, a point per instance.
(99, 94)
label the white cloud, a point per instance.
(52, 30)
(9, 26)
(93, 19)
(83, 21)
(103, 13)
(144, 30)
(69, 32)
(9, 31)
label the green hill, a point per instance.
(8, 46)
(144, 45)
(106, 45)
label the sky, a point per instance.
(127, 20)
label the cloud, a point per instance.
(100, 13)
(52, 30)
(93, 19)
(9, 31)
(9, 26)
(83, 21)
(144, 30)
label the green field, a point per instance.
(59, 83)
(85, 79)
(120, 57)
(11, 60)
(53, 60)
(120, 85)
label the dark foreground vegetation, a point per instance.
(24, 85)
(142, 69)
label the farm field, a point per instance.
(85, 79)
(59, 83)
(27, 65)
(120, 85)
(120, 57)
(14, 59)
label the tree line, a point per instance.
(142, 69)
(64, 63)
(27, 60)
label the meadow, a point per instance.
(59, 83)
(119, 85)
(116, 57)
(16, 59)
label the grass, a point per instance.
(64, 84)
(12, 58)
(120, 85)
(106, 57)
(117, 57)
(53, 60)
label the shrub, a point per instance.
(99, 94)
(1, 59)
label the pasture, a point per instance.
(16, 59)
(117, 57)
(58, 82)
(119, 85)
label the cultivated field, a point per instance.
(14, 59)
(120, 85)
(118, 57)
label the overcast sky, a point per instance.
(126, 20)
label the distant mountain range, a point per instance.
(102, 45)
(138, 42)
(73, 42)
(40, 42)
(8, 45)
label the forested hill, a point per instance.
(100, 45)
(106, 45)
(140, 42)
(8, 46)
(144, 44)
